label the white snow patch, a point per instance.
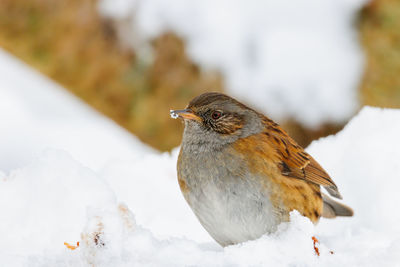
(296, 59)
(44, 204)
(36, 113)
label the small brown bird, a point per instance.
(242, 174)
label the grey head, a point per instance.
(213, 120)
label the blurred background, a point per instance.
(309, 65)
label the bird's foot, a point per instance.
(315, 242)
(316, 249)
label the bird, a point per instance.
(242, 174)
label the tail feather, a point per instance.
(332, 208)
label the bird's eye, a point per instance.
(216, 115)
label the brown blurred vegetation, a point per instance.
(380, 37)
(68, 41)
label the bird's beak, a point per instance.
(185, 114)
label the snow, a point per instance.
(127, 210)
(36, 113)
(296, 59)
(173, 114)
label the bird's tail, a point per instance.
(332, 208)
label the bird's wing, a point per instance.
(294, 162)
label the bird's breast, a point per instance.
(230, 202)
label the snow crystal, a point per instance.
(173, 114)
(290, 59)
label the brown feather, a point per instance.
(293, 161)
(286, 193)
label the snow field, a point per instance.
(68, 175)
(55, 199)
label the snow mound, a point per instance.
(290, 59)
(44, 204)
(55, 199)
(36, 113)
(363, 159)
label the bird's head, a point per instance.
(215, 118)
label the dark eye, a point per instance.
(216, 115)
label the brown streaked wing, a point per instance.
(294, 162)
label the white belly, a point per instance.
(234, 212)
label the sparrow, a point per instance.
(242, 174)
